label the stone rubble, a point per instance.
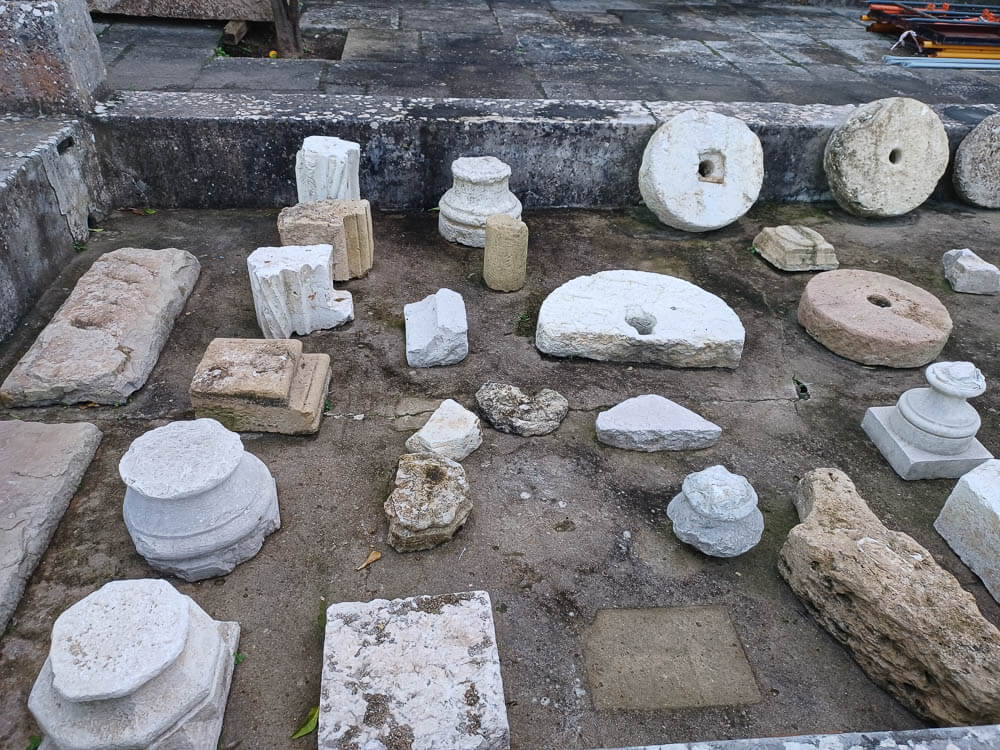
(874, 319)
(261, 385)
(135, 664)
(636, 316)
(967, 272)
(930, 433)
(452, 431)
(41, 466)
(103, 342)
(437, 331)
(327, 169)
(885, 598)
(701, 171)
(479, 190)
(716, 512)
(346, 225)
(422, 672)
(886, 158)
(505, 257)
(976, 172)
(429, 503)
(795, 248)
(197, 504)
(293, 290)
(653, 423)
(509, 409)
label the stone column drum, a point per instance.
(197, 504)
(716, 512)
(505, 258)
(136, 664)
(479, 191)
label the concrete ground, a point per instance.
(559, 49)
(563, 527)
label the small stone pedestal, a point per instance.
(327, 168)
(479, 191)
(931, 432)
(345, 224)
(505, 258)
(716, 512)
(197, 504)
(135, 664)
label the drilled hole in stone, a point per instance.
(879, 301)
(711, 166)
(643, 323)
(895, 156)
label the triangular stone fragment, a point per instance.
(653, 423)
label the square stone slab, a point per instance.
(666, 658)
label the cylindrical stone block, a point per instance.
(505, 258)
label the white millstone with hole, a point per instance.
(701, 171)
(976, 173)
(886, 158)
(452, 431)
(429, 502)
(716, 512)
(437, 330)
(795, 248)
(197, 504)
(293, 290)
(931, 432)
(135, 664)
(421, 672)
(327, 169)
(968, 273)
(970, 522)
(635, 316)
(653, 423)
(479, 190)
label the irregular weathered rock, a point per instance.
(701, 171)
(103, 342)
(509, 409)
(41, 466)
(197, 504)
(716, 512)
(452, 431)
(976, 172)
(421, 672)
(653, 423)
(327, 169)
(795, 248)
(635, 316)
(909, 624)
(505, 257)
(886, 158)
(261, 385)
(967, 272)
(479, 191)
(429, 503)
(437, 331)
(873, 318)
(135, 664)
(293, 290)
(346, 225)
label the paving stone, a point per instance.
(977, 165)
(437, 18)
(246, 10)
(429, 503)
(326, 168)
(258, 74)
(967, 272)
(479, 190)
(347, 17)
(653, 423)
(105, 339)
(145, 68)
(509, 409)
(41, 466)
(419, 672)
(437, 331)
(716, 512)
(344, 224)
(381, 44)
(795, 248)
(452, 431)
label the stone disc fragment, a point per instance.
(701, 171)
(886, 158)
(874, 319)
(977, 165)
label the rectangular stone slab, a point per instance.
(41, 466)
(257, 369)
(420, 672)
(105, 339)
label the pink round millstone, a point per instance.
(874, 318)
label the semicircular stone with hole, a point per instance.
(874, 318)
(977, 165)
(636, 316)
(701, 171)
(886, 158)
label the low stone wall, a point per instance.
(219, 10)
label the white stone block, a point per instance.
(327, 168)
(967, 272)
(479, 190)
(653, 423)
(635, 316)
(421, 672)
(437, 331)
(795, 248)
(716, 512)
(293, 290)
(970, 522)
(452, 431)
